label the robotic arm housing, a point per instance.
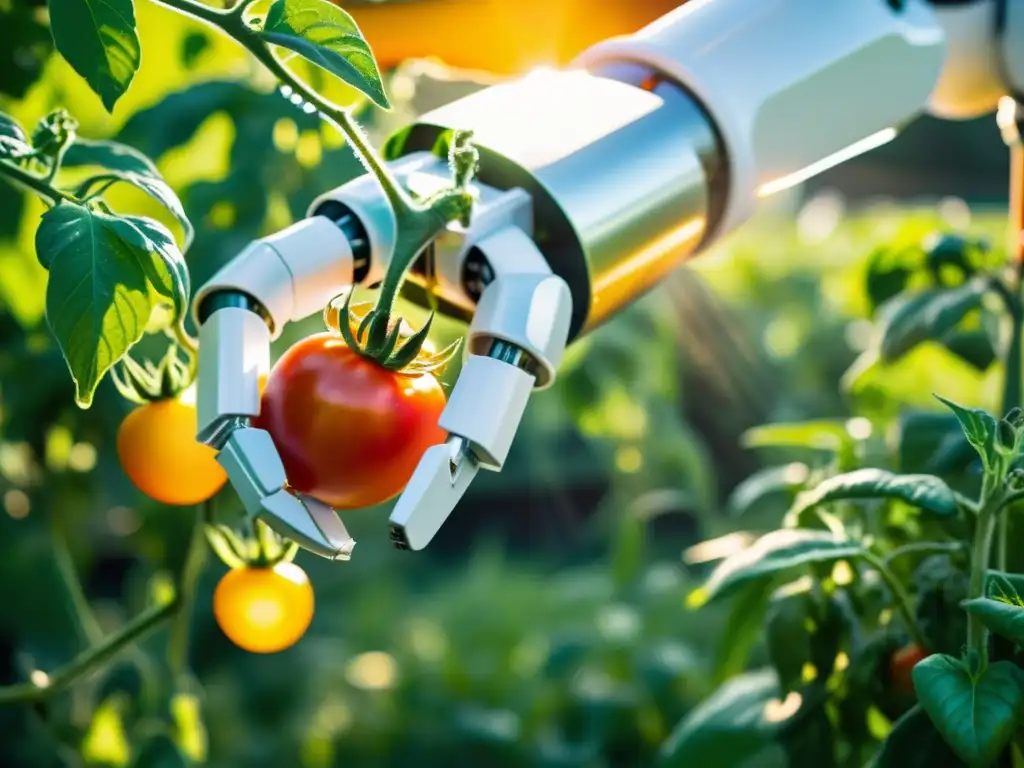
(594, 184)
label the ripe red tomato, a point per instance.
(902, 664)
(349, 432)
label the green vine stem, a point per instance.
(232, 22)
(925, 548)
(41, 187)
(91, 659)
(417, 223)
(96, 656)
(191, 570)
(902, 600)
(988, 518)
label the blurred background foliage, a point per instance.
(547, 624)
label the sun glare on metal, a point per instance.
(873, 141)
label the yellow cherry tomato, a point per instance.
(264, 610)
(157, 446)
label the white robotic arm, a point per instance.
(594, 183)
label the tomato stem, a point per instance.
(41, 187)
(900, 597)
(988, 517)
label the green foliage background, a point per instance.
(549, 627)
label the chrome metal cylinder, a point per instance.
(623, 169)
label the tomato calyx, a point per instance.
(149, 383)
(377, 336)
(261, 549)
(391, 344)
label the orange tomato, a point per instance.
(264, 610)
(158, 450)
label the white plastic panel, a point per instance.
(234, 350)
(486, 406)
(791, 83)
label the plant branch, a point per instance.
(90, 659)
(982, 549)
(401, 203)
(1011, 498)
(965, 503)
(191, 570)
(21, 177)
(102, 652)
(925, 548)
(900, 597)
(210, 15)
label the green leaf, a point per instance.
(9, 129)
(945, 250)
(977, 717)
(53, 133)
(104, 271)
(1002, 618)
(939, 588)
(25, 46)
(13, 141)
(914, 742)
(774, 554)
(973, 347)
(819, 435)
(99, 40)
(159, 751)
(811, 738)
(887, 276)
(192, 47)
(327, 36)
(743, 628)
(787, 638)
(920, 434)
(131, 166)
(924, 491)
(734, 724)
(1005, 586)
(105, 741)
(911, 320)
(167, 272)
(768, 482)
(979, 427)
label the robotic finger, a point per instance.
(257, 474)
(515, 343)
(285, 277)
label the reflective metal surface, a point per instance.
(619, 167)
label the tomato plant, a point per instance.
(349, 431)
(892, 625)
(264, 609)
(118, 281)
